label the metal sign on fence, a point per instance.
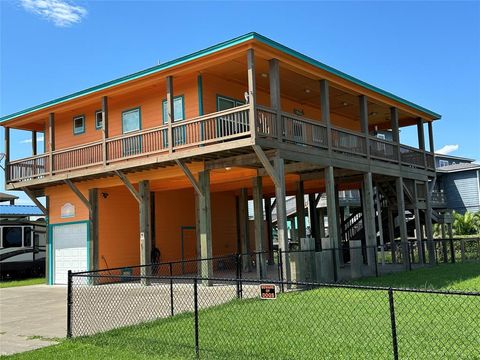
(268, 291)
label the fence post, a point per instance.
(69, 304)
(393, 323)
(452, 251)
(171, 289)
(195, 304)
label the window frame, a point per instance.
(83, 127)
(96, 123)
(442, 163)
(22, 232)
(236, 102)
(139, 109)
(164, 109)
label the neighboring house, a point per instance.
(131, 163)
(458, 180)
(22, 239)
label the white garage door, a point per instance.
(70, 250)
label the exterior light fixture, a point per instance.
(264, 75)
(307, 91)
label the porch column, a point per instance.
(363, 102)
(252, 94)
(402, 222)
(300, 204)
(244, 238)
(430, 137)
(34, 143)
(395, 131)
(421, 139)
(332, 219)
(444, 243)
(369, 220)
(275, 97)
(205, 226)
(313, 216)
(418, 233)
(339, 226)
(145, 229)
(93, 215)
(321, 223)
(258, 220)
(7, 152)
(380, 224)
(282, 232)
(268, 220)
(428, 225)
(325, 107)
(105, 128)
(170, 113)
(51, 141)
(391, 235)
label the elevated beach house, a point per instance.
(163, 161)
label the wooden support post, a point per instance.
(418, 225)
(363, 102)
(313, 216)
(430, 137)
(34, 199)
(369, 221)
(244, 231)
(321, 224)
(170, 113)
(189, 176)
(47, 240)
(280, 194)
(205, 227)
(339, 225)
(275, 97)
(395, 131)
(79, 194)
(252, 93)
(325, 107)
(105, 128)
(93, 217)
(444, 243)
(421, 140)
(145, 230)
(380, 225)
(332, 218)
(402, 222)
(391, 235)
(7, 153)
(34, 143)
(300, 202)
(51, 141)
(268, 220)
(258, 220)
(428, 226)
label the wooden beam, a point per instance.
(267, 165)
(104, 129)
(258, 223)
(282, 232)
(34, 143)
(129, 185)
(430, 137)
(189, 175)
(170, 112)
(145, 230)
(380, 224)
(332, 217)
(252, 92)
(325, 107)
(51, 140)
(205, 226)
(32, 197)
(363, 102)
(402, 222)
(300, 204)
(79, 194)
(268, 220)
(7, 148)
(93, 200)
(369, 221)
(428, 226)
(275, 97)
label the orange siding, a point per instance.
(59, 196)
(118, 230)
(224, 223)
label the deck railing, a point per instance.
(216, 128)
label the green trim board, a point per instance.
(211, 50)
(51, 257)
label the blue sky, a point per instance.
(426, 52)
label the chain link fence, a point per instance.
(218, 318)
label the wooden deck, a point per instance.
(219, 133)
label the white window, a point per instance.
(381, 136)
(131, 120)
(178, 109)
(98, 119)
(78, 124)
(442, 163)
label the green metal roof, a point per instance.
(208, 51)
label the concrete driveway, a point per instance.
(31, 317)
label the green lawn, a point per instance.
(24, 282)
(321, 323)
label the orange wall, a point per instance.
(59, 196)
(118, 228)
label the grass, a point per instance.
(24, 282)
(320, 323)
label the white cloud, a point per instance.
(62, 13)
(447, 149)
(29, 141)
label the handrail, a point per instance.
(136, 133)
(76, 147)
(38, 156)
(304, 119)
(211, 115)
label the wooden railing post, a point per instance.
(252, 96)
(105, 129)
(170, 113)
(7, 153)
(51, 141)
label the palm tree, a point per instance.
(467, 224)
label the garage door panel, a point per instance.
(70, 250)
